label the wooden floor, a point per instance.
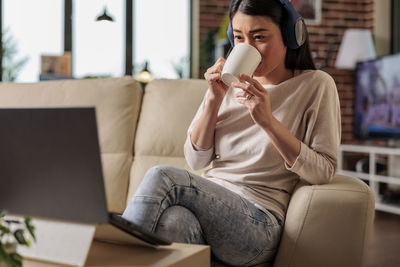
(384, 248)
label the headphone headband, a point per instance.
(295, 31)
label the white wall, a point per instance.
(382, 27)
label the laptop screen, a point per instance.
(50, 164)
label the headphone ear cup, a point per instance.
(296, 30)
(300, 31)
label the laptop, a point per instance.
(50, 167)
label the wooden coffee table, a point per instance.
(106, 254)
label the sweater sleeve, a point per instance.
(196, 157)
(317, 161)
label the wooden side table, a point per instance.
(107, 254)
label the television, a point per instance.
(377, 98)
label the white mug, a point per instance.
(243, 58)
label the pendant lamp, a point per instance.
(105, 16)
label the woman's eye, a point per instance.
(237, 37)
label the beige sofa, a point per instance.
(326, 225)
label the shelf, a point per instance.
(371, 177)
(370, 149)
(361, 175)
(387, 207)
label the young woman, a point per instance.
(287, 128)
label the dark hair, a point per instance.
(299, 58)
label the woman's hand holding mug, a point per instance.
(217, 87)
(243, 58)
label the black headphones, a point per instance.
(296, 30)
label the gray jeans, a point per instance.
(187, 208)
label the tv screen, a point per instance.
(377, 98)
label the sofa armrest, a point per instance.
(327, 225)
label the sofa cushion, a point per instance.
(167, 110)
(117, 102)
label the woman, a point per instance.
(287, 128)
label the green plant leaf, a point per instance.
(17, 259)
(4, 230)
(30, 227)
(5, 257)
(19, 235)
(3, 254)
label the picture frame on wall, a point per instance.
(55, 67)
(310, 10)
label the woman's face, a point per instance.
(265, 35)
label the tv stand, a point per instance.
(392, 178)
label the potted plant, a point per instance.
(13, 233)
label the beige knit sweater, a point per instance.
(245, 161)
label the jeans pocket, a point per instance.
(273, 218)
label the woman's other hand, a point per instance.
(256, 99)
(217, 87)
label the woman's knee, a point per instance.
(153, 177)
(168, 174)
(159, 180)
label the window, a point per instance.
(162, 37)
(98, 47)
(30, 29)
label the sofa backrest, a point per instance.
(167, 110)
(117, 102)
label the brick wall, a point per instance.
(337, 16)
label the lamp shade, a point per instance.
(357, 45)
(144, 76)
